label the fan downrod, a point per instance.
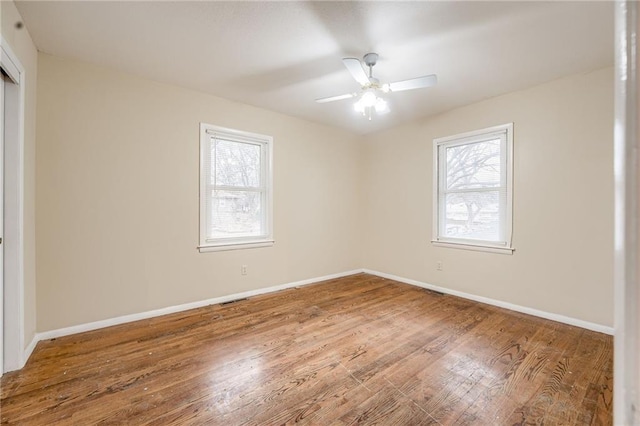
(370, 60)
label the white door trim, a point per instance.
(626, 380)
(2, 84)
(14, 348)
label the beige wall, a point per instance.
(22, 46)
(117, 176)
(117, 181)
(563, 200)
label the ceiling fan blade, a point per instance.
(335, 98)
(414, 83)
(355, 68)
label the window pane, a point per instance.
(236, 164)
(475, 165)
(473, 215)
(235, 214)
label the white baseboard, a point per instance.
(26, 353)
(525, 310)
(29, 350)
(51, 334)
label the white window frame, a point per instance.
(207, 133)
(505, 132)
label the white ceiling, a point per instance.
(283, 55)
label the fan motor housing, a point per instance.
(370, 59)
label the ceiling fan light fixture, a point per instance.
(368, 102)
(368, 99)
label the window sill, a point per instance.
(463, 246)
(235, 246)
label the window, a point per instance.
(473, 190)
(235, 189)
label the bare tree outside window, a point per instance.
(473, 190)
(236, 197)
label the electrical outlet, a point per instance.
(243, 269)
(439, 265)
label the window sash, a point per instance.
(237, 188)
(262, 145)
(215, 138)
(263, 222)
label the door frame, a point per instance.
(626, 392)
(13, 335)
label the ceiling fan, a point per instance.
(371, 87)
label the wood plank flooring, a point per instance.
(355, 350)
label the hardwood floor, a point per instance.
(355, 350)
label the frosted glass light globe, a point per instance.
(381, 106)
(368, 99)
